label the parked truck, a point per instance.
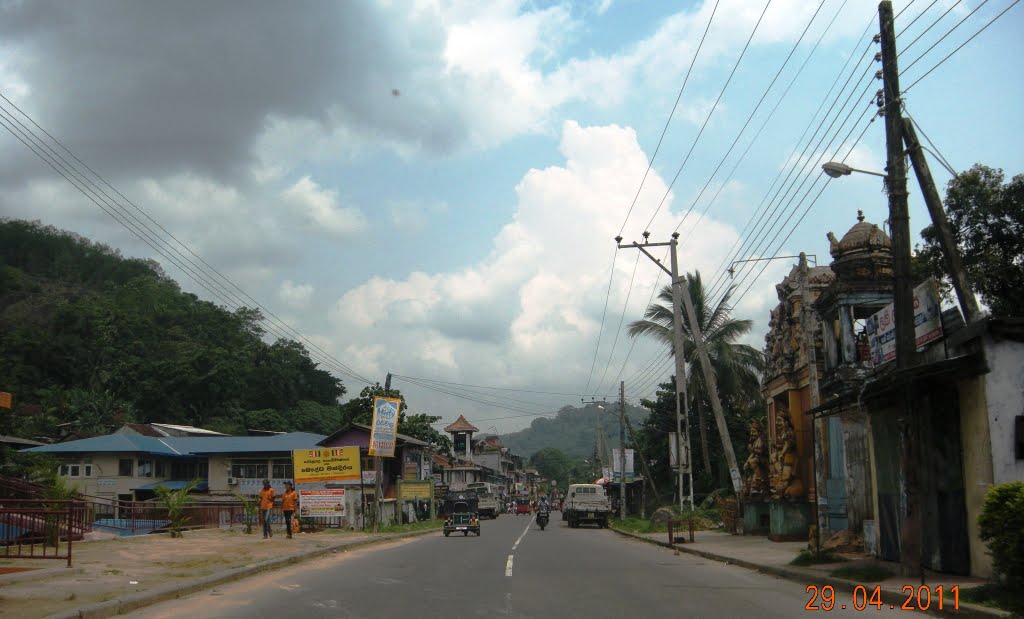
(487, 498)
(586, 504)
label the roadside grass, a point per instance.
(807, 557)
(633, 524)
(862, 573)
(995, 596)
(424, 525)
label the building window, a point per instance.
(190, 469)
(124, 467)
(282, 469)
(145, 468)
(160, 468)
(249, 469)
(70, 470)
(87, 470)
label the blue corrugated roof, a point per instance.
(175, 484)
(184, 446)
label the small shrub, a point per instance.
(250, 508)
(175, 502)
(1002, 530)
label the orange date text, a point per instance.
(920, 598)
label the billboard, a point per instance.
(384, 430)
(327, 464)
(617, 465)
(415, 490)
(881, 326)
(322, 503)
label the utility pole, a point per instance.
(903, 301)
(682, 414)
(622, 450)
(954, 263)
(376, 467)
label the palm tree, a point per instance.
(737, 367)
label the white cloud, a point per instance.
(319, 207)
(526, 310)
(295, 296)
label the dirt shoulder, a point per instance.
(131, 566)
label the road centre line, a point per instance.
(511, 556)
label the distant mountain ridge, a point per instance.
(573, 430)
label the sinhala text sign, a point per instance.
(322, 503)
(385, 427)
(328, 464)
(881, 326)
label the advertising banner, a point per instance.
(322, 503)
(617, 466)
(415, 489)
(328, 464)
(881, 326)
(384, 430)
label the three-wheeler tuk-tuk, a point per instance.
(461, 513)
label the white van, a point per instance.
(587, 503)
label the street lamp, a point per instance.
(836, 169)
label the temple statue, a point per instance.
(755, 469)
(784, 482)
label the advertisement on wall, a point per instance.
(384, 429)
(408, 490)
(881, 326)
(334, 464)
(322, 503)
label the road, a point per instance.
(512, 570)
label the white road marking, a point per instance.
(523, 534)
(508, 564)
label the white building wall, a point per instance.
(1004, 391)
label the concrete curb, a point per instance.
(134, 601)
(811, 577)
(38, 574)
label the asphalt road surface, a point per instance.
(512, 570)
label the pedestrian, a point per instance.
(289, 501)
(266, 504)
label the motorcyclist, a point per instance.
(543, 505)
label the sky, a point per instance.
(432, 188)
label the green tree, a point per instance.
(986, 216)
(176, 503)
(737, 367)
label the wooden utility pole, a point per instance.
(954, 263)
(903, 300)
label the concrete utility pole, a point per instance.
(622, 450)
(903, 294)
(954, 263)
(682, 414)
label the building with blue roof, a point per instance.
(130, 466)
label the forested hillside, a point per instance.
(89, 336)
(573, 430)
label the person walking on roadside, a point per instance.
(289, 501)
(266, 504)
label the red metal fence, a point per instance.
(40, 528)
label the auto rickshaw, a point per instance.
(461, 513)
(523, 506)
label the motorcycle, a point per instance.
(542, 519)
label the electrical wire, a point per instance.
(710, 113)
(928, 29)
(943, 37)
(126, 218)
(664, 130)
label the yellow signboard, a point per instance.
(5, 399)
(327, 464)
(415, 489)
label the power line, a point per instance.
(943, 37)
(622, 318)
(604, 312)
(123, 216)
(950, 54)
(928, 29)
(710, 113)
(670, 115)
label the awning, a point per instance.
(174, 484)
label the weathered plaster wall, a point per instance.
(1004, 386)
(859, 490)
(977, 450)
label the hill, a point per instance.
(572, 430)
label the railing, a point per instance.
(40, 528)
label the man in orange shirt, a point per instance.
(266, 504)
(289, 501)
